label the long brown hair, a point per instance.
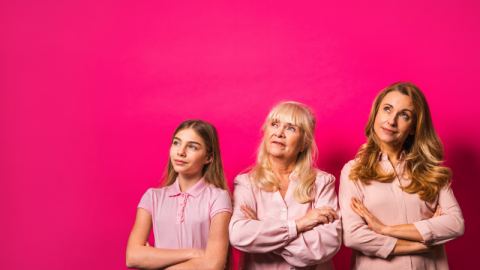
(424, 150)
(213, 172)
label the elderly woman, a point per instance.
(285, 211)
(397, 205)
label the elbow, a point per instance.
(235, 238)
(132, 259)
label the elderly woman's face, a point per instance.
(395, 118)
(283, 140)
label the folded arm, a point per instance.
(217, 246)
(320, 243)
(139, 255)
(256, 236)
(356, 233)
(448, 226)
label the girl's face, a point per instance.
(188, 153)
(395, 119)
(283, 140)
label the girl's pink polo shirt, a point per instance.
(182, 219)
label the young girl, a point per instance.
(190, 212)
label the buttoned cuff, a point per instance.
(425, 231)
(292, 229)
(387, 248)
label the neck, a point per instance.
(282, 168)
(392, 151)
(186, 181)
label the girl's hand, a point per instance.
(314, 217)
(248, 213)
(438, 212)
(372, 222)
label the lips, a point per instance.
(278, 143)
(389, 131)
(180, 162)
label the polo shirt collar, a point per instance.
(194, 191)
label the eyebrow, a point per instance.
(401, 110)
(194, 142)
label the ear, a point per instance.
(412, 131)
(209, 159)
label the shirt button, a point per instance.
(284, 210)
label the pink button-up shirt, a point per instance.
(272, 242)
(182, 219)
(392, 206)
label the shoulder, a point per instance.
(217, 192)
(244, 180)
(323, 177)
(348, 167)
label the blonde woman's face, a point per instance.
(283, 140)
(188, 153)
(395, 119)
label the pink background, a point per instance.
(91, 92)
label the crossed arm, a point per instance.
(141, 255)
(409, 237)
(363, 232)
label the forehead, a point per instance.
(398, 101)
(189, 134)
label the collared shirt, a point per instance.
(392, 206)
(182, 219)
(272, 241)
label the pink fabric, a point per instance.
(182, 219)
(392, 206)
(272, 242)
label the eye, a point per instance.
(192, 147)
(387, 109)
(404, 115)
(175, 143)
(291, 128)
(274, 124)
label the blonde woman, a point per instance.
(285, 210)
(397, 205)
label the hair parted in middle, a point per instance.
(213, 172)
(301, 116)
(424, 149)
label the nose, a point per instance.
(392, 120)
(279, 133)
(181, 151)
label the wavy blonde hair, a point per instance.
(301, 116)
(424, 150)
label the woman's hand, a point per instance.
(248, 212)
(372, 222)
(314, 217)
(438, 212)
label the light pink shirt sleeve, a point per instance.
(319, 244)
(448, 226)
(222, 203)
(356, 233)
(256, 236)
(147, 201)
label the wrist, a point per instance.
(387, 230)
(299, 227)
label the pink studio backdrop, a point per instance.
(91, 91)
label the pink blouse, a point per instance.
(272, 242)
(182, 219)
(392, 206)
